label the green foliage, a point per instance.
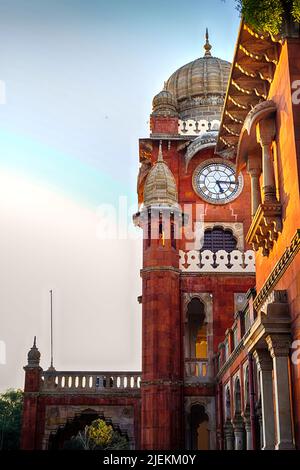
(268, 15)
(296, 10)
(98, 436)
(11, 405)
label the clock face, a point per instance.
(215, 182)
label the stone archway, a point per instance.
(200, 422)
(64, 418)
(199, 428)
(61, 439)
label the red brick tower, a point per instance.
(161, 362)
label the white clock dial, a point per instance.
(215, 182)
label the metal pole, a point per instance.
(51, 326)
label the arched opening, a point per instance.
(197, 338)
(199, 428)
(237, 398)
(246, 393)
(62, 438)
(227, 405)
(218, 238)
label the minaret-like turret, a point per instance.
(161, 340)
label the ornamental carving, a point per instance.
(265, 227)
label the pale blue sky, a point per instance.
(80, 76)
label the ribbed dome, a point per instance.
(164, 104)
(160, 185)
(200, 86)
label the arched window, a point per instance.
(217, 238)
(237, 398)
(197, 329)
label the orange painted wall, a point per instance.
(288, 120)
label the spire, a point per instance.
(207, 46)
(34, 355)
(160, 157)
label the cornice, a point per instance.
(279, 269)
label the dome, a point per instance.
(164, 104)
(199, 87)
(160, 185)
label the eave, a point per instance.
(252, 72)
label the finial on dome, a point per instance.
(165, 86)
(160, 157)
(207, 45)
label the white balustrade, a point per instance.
(90, 382)
(197, 127)
(223, 262)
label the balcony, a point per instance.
(220, 262)
(196, 370)
(91, 382)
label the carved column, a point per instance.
(279, 349)
(254, 170)
(264, 365)
(238, 429)
(265, 133)
(229, 436)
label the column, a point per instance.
(279, 349)
(238, 428)
(254, 170)
(265, 133)
(249, 444)
(264, 365)
(229, 437)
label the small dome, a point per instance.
(34, 355)
(164, 104)
(160, 185)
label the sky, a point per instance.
(77, 78)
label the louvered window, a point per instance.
(219, 239)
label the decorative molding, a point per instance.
(278, 271)
(221, 261)
(146, 383)
(160, 268)
(207, 139)
(265, 227)
(279, 345)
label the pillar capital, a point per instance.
(265, 131)
(279, 345)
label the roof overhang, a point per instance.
(255, 60)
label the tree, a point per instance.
(268, 15)
(11, 405)
(98, 436)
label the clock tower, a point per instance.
(197, 266)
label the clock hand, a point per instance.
(227, 182)
(221, 189)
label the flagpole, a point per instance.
(51, 327)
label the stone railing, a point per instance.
(90, 382)
(197, 368)
(193, 127)
(221, 261)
